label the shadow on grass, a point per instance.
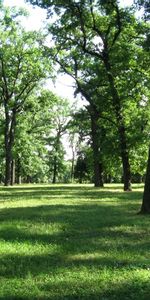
(84, 229)
(130, 289)
(66, 192)
(126, 291)
(89, 236)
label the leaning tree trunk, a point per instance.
(94, 114)
(98, 168)
(121, 125)
(145, 208)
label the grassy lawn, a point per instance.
(73, 242)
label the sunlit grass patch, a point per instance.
(73, 242)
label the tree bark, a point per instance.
(121, 126)
(56, 149)
(18, 170)
(98, 168)
(145, 208)
(54, 170)
(10, 123)
(125, 159)
(72, 164)
(12, 172)
(29, 179)
(8, 165)
(8, 152)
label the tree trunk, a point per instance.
(98, 168)
(109, 179)
(10, 122)
(19, 179)
(56, 149)
(8, 151)
(81, 177)
(54, 170)
(94, 114)
(18, 170)
(12, 172)
(72, 165)
(8, 165)
(121, 126)
(29, 179)
(125, 159)
(145, 208)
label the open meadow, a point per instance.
(73, 242)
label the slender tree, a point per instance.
(58, 116)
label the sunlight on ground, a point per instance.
(73, 242)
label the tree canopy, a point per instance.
(104, 48)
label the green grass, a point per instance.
(73, 242)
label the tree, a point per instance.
(81, 168)
(29, 151)
(40, 129)
(145, 208)
(74, 145)
(112, 37)
(85, 73)
(22, 67)
(99, 30)
(57, 123)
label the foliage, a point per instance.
(23, 65)
(105, 49)
(22, 61)
(81, 170)
(58, 117)
(100, 44)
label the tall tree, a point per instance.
(85, 74)
(22, 67)
(30, 150)
(96, 28)
(145, 207)
(111, 36)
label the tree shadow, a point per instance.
(128, 290)
(83, 229)
(87, 232)
(66, 192)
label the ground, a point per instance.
(73, 242)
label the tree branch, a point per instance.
(118, 23)
(5, 87)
